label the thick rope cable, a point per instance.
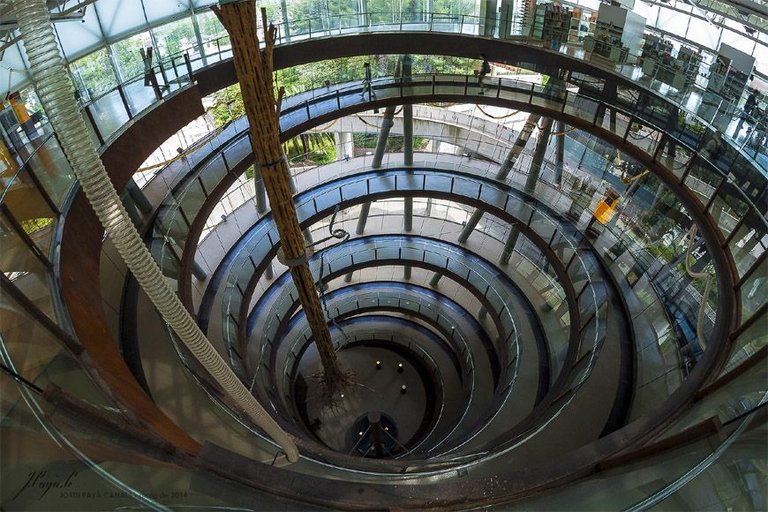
(564, 132)
(698, 275)
(368, 123)
(506, 116)
(191, 149)
(342, 235)
(326, 127)
(57, 94)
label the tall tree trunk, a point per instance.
(254, 72)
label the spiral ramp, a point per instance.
(532, 359)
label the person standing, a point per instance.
(367, 87)
(485, 68)
(747, 114)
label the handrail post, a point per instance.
(91, 120)
(155, 85)
(123, 98)
(173, 64)
(188, 63)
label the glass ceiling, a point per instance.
(86, 25)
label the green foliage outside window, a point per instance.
(394, 142)
(128, 55)
(175, 37)
(210, 26)
(228, 105)
(318, 149)
(31, 226)
(93, 74)
(311, 148)
(319, 15)
(313, 76)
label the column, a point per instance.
(530, 185)
(504, 170)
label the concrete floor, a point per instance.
(373, 390)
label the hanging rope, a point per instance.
(631, 179)
(191, 149)
(372, 125)
(565, 132)
(497, 117)
(342, 235)
(640, 138)
(324, 128)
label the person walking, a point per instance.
(485, 68)
(367, 87)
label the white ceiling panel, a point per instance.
(13, 70)
(77, 38)
(163, 10)
(120, 17)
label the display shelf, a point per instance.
(552, 22)
(659, 62)
(582, 24)
(618, 34)
(730, 73)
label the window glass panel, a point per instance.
(175, 38)
(213, 34)
(761, 58)
(119, 17)
(158, 10)
(128, 55)
(76, 38)
(93, 74)
(456, 6)
(383, 11)
(13, 60)
(738, 41)
(747, 344)
(30, 210)
(20, 265)
(647, 11)
(673, 22)
(210, 26)
(754, 291)
(702, 32)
